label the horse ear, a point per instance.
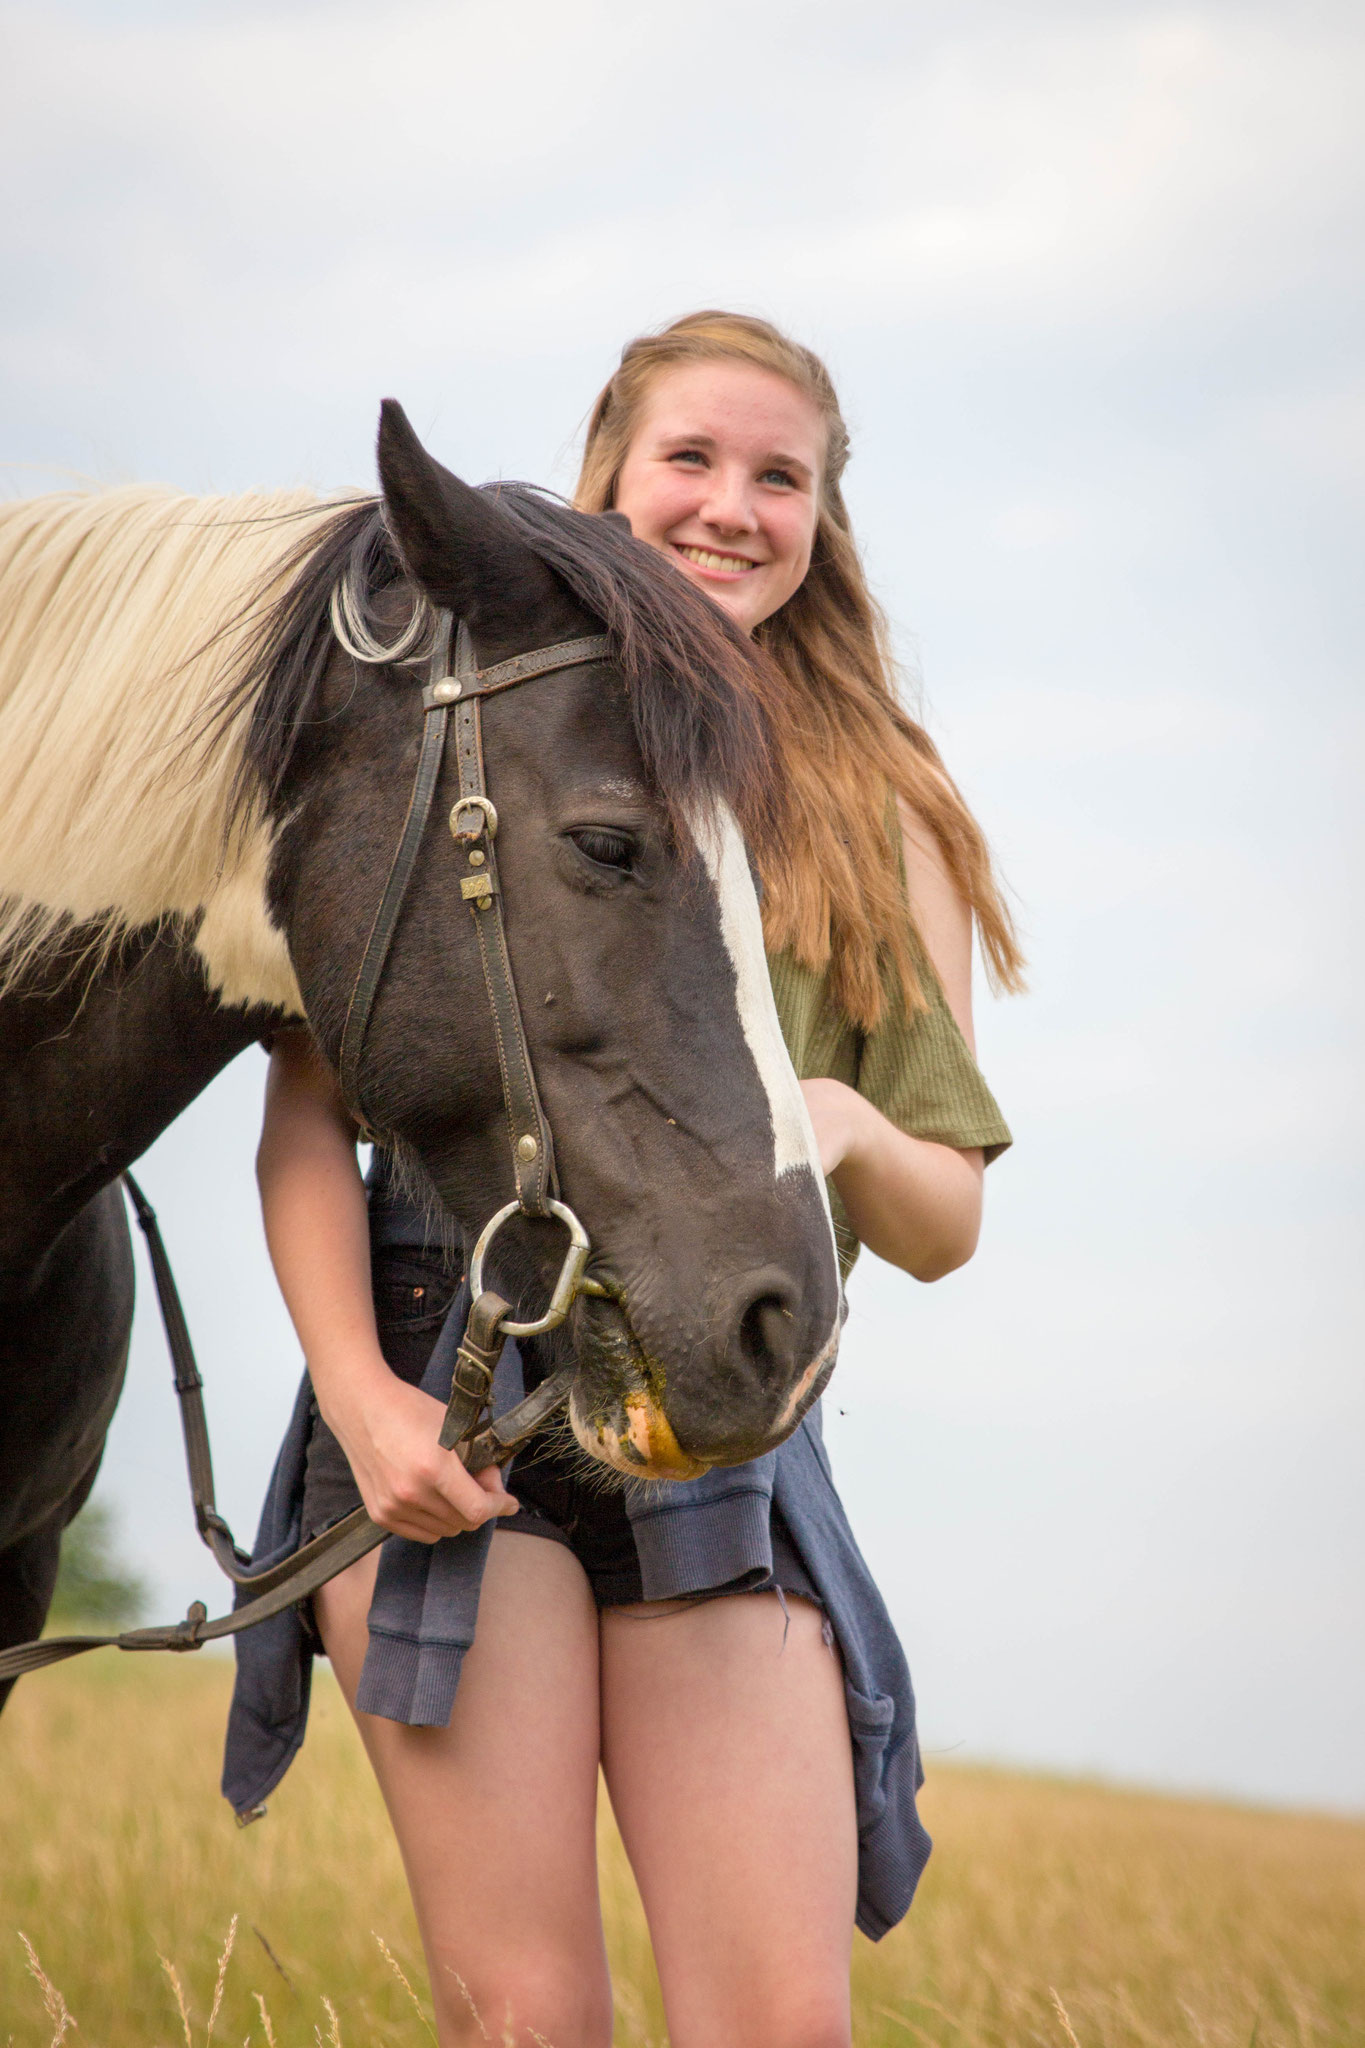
(454, 541)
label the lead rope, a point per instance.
(296, 1577)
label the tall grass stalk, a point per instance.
(1053, 1914)
(53, 2002)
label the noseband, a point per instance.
(474, 828)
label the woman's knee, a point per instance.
(816, 2019)
(822, 2022)
(563, 1999)
(780, 2026)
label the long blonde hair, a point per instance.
(837, 902)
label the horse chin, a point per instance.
(636, 1439)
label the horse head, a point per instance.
(681, 1135)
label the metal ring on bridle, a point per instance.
(474, 803)
(570, 1273)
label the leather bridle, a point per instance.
(458, 696)
(478, 1442)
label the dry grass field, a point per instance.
(1053, 1912)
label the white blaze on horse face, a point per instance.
(722, 848)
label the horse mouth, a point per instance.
(618, 1410)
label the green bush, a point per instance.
(93, 1584)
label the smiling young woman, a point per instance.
(721, 437)
(722, 441)
(716, 1647)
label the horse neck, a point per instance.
(96, 1063)
(127, 614)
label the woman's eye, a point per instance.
(778, 476)
(606, 849)
(689, 455)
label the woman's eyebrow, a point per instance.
(776, 461)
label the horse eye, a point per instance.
(606, 849)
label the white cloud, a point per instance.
(1031, 524)
(1026, 723)
(483, 177)
(1321, 432)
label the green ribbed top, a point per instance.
(916, 1069)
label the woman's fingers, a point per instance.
(409, 1485)
(428, 1506)
(474, 1498)
(432, 1495)
(828, 1106)
(416, 1529)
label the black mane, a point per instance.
(702, 698)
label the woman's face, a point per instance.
(723, 474)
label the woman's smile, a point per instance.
(723, 475)
(713, 563)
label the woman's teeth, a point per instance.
(705, 559)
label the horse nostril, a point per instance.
(741, 1399)
(767, 1329)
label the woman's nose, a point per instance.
(729, 504)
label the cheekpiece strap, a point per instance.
(474, 825)
(436, 708)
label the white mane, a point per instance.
(123, 614)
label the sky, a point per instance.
(1088, 279)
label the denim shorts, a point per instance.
(561, 1498)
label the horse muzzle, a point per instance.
(649, 1419)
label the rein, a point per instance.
(473, 825)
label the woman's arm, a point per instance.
(313, 1202)
(912, 1202)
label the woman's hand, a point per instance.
(912, 1202)
(409, 1485)
(834, 1111)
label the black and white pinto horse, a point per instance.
(209, 719)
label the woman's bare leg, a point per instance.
(727, 1755)
(496, 1814)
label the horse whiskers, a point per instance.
(557, 1440)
